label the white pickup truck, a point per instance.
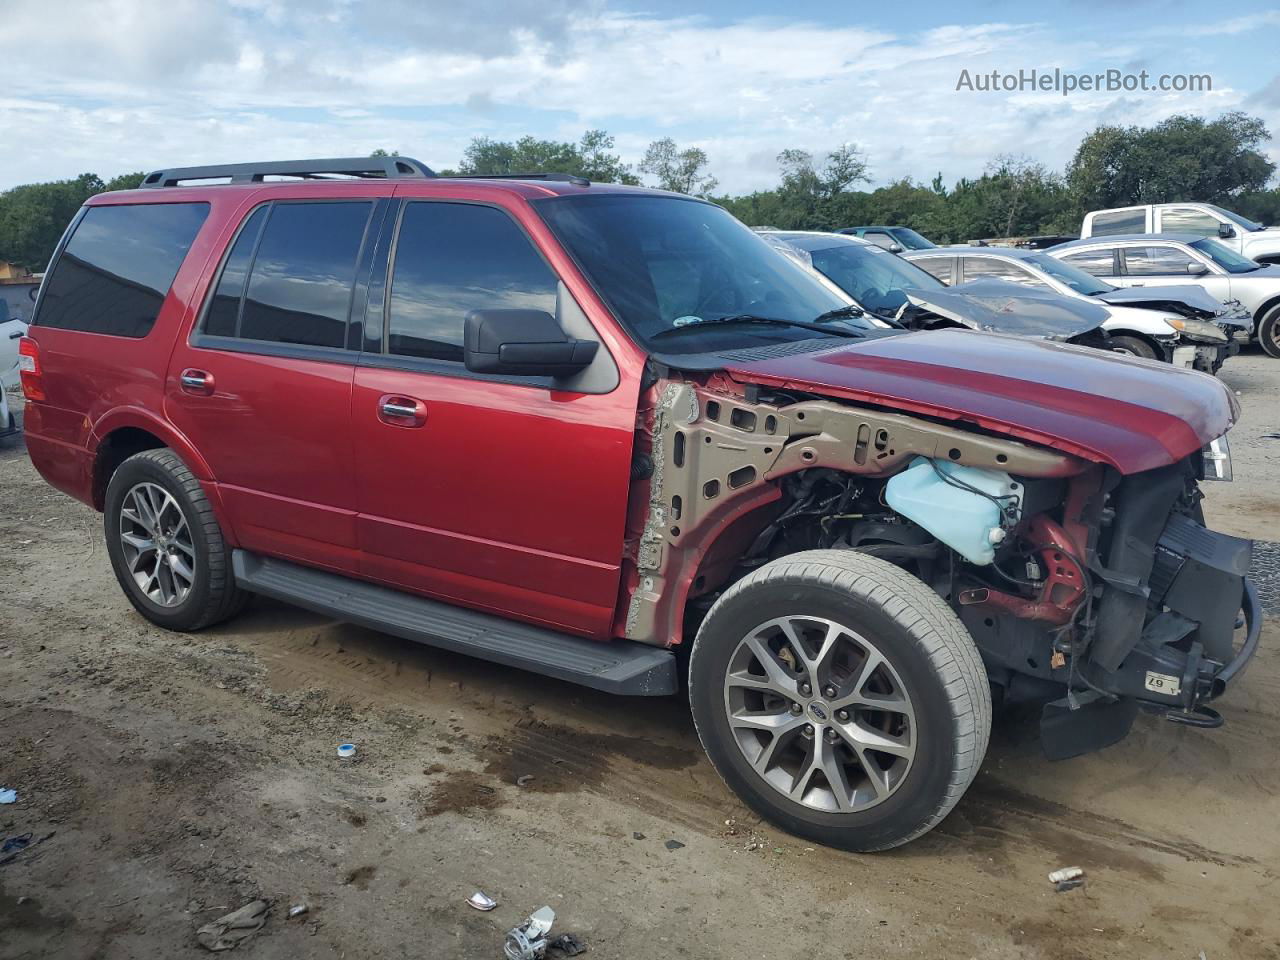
(1241, 234)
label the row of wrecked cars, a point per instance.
(1044, 297)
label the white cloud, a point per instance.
(119, 87)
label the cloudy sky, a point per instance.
(120, 85)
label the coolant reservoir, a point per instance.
(967, 522)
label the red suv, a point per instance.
(579, 428)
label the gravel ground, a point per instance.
(177, 777)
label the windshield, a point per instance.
(1073, 277)
(1224, 256)
(872, 276)
(911, 240)
(1236, 218)
(665, 263)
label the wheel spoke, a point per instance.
(142, 514)
(141, 544)
(780, 678)
(154, 507)
(163, 502)
(164, 580)
(140, 561)
(833, 770)
(776, 722)
(854, 695)
(862, 737)
(800, 783)
(815, 665)
(875, 775)
(770, 751)
(178, 567)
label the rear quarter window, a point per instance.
(940, 267)
(1099, 263)
(117, 267)
(1119, 221)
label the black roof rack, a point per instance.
(565, 177)
(385, 168)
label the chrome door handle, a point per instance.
(398, 410)
(197, 382)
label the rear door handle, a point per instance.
(401, 411)
(15, 335)
(196, 382)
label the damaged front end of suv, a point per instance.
(1078, 562)
(860, 534)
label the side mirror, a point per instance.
(522, 343)
(1197, 269)
(895, 248)
(1226, 231)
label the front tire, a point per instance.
(840, 698)
(165, 545)
(1269, 332)
(1133, 347)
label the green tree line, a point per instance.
(1182, 158)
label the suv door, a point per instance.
(503, 493)
(262, 387)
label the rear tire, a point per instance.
(876, 751)
(165, 545)
(1133, 347)
(1269, 332)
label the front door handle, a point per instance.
(196, 382)
(401, 411)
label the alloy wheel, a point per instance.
(156, 540)
(820, 714)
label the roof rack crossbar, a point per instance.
(383, 168)
(565, 177)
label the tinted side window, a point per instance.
(1188, 220)
(976, 267)
(940, 267)
(302, 276)
(1154, 261)
(452, 258)
(224, 310)
(118, 266)
(1100, 263)
(1120, 221)
(880, 239)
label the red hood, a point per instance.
(1132, 414)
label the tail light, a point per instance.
(29, 368)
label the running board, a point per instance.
(619, 666)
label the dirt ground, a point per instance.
(177, 777)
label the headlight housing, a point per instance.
(1215, 460)
(1198, 329)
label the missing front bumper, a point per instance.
(1176, 683)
